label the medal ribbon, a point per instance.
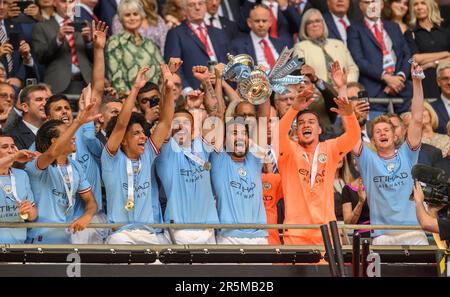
(195, 158)
(130, 175)
(314, 164)
(13, 187)
(67, 187)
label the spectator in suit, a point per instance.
(397, 12)
(442, 104)
(173, 13)
(213, 19)
(337, 20)
(263, 48)
(429, 41)
(284, 25)
(66, 54)
(381, 53)
(195, 43)
(319, 51)
(230, 9)
(33, 99)
(106, 10)
(153, 26)
(15, 52)
(7, 96)
(85, 10)
(129, 51)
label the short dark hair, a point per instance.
(4, 134)
(53, 99)
(24, 95)
(106, 101)
(305, 111)
(46, 133)
(149, 86)
(136, 118)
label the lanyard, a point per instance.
(130, 176)
(74, 156)
(314, 164)
(68, 184)
(194, 158)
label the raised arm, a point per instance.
(119, 130)
(303, 99)
(99, 33)
(22, 156)
(84, 116)
(162, 129)
(414, 135)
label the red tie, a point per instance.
(274, 28)
(341, 20)
(267, 53)
(71, 40)
(380, 39)
(204, 39)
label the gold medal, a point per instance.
(242, 171)
(129, 205)
(24, 216)
(390, 167)
(207, 166)
(267, 186)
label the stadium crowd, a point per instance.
(116, 111)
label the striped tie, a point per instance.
(3, 40)
(71, 40)
(272, 158)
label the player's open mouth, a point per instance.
(65, 119)
(384, 140)
(307, 132)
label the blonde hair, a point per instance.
(433, 116)
(130, 5)
(380, 119)
(434, 15)
(151, 11)
(305, 18)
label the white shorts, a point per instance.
(136, 236)
(402, 238)
(241, 240)
(90, 235)
(187, 236)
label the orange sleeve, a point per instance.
(347, 141)
(283, 133)
(279, 193)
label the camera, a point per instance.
(78, 25)
(363, 96)
(24, 4)
(434, 182)
(154, 101)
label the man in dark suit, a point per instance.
(230, 9)
(285, 20)
(213, 19)
(106, 10)
(32, 100)
(258, 44)
(15, 52)
(84, 10)
(195, 43)
(337, 20)
(381, 53)
(442, 105)
(66, 54)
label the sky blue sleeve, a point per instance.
(87, 133)
(83, 185)
(30, 195)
